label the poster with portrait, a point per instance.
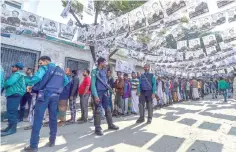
(225, 47)
(67, 31)
(100, 31)
(124, 66)
(222, 3)
(194, 25)
(230, 69)
(50, 27)
(172, 6)
(121, 42)
(178, 33)
(101, 51)
(81, 36)
(231, 13)
(218, 18)
(110, 28)
(199, 54)
(209, 40)
(170, 52)
(153, 12)
(197, 8)
(205, 23)
(172, 20)
(137, 19)
(211, 50)
(91, 34)
(171, 59)
(182, 46)
(189, 55)
(161, 51)
(29, 21)
(229, 35)
(194, 44)
(10, 19)
(122, 24)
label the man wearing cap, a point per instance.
(15, 89)
(48, 82)
(146, 90)
(99, 88)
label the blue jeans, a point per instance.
(45, 100)
(13, 103)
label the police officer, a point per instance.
(48, 82)
(101, 95)
(15, 89)
(146, 91)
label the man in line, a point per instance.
(195, 94)
(63, 100)
(127, 94)
(134, 93)
(119, 88)
(73, 96)
(48, 81)
(84, 93)
(15, 89)
(223, 86)
(213, 88)
(100, 92)
(111, 84)
(27, 97)
(147, 90)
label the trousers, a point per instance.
(72, 104)
(27, 97)
(13, 102)
(84, 106)
(45, 100)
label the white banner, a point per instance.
(50, 27)
(124, 67)
(67, 31)
(81, 37)
(137, 19)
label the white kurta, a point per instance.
(135, 101)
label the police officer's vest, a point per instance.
(56, 84)
(146, 83)
(99, 85)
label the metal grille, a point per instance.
(75, 64)
(10, 55)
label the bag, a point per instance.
(36, 90)
(147, 81)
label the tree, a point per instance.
(110, 9)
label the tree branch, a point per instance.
(78, 21)
(112, 53)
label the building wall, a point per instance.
(56, 51)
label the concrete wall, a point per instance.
(56, 51)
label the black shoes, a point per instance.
(140, 120)
(29, 149)
(98, 132)
(113, 127)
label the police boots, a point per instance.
(108, 114)
(141, 112)
(6, 129)
(11, 130)
(29, 149)
(150, 112)
(97, 122)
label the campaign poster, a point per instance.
(67, 31)
(199, 54)
(110, 28)
(222, 3)
(172, 20)
(231, 13)
(205, 23)
(194, 44)
(153, 12)
(182, 46)
(225, 46)
(189, 55)
(178, 33)
(179, 56)
(81, 37)
(121, 42)
(122, 24)
(137, 19)
(229, 35)
(50, 27)
(172, 6)
(209, 40)
(211, 50)
(194, 25)
(170, 52)
(124, 66)
(100, 31)
(91, 34)
(218, 18)
(197, 8)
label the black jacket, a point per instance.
(74, 86)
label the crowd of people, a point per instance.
(51, 89)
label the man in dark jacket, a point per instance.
(73, 95)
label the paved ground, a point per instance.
(197, 126)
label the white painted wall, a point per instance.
(56, 51)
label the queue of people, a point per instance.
(53, 89)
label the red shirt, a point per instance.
(86, 82)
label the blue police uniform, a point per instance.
(48, 97)
(147, 87)
(99, 90)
